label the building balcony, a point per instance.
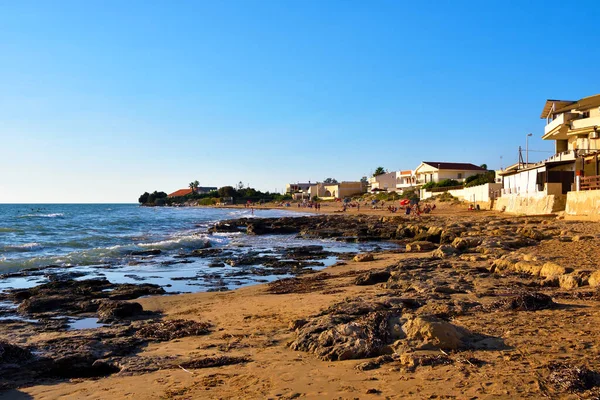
(559, 124)
(583, 123)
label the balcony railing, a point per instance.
(585, 122)
(590, 182)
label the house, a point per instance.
(199, 190)
(544, 187)
(405, 179)
(385, 182)
(342, 189)
(180, 193)
(299, 187)
(436, 171)
(574, 126)
(205, 189)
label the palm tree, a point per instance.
(192, 186)
(196, 185)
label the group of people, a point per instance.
(416, 209)
(310, 204)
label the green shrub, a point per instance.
(208, 201)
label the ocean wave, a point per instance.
(52, 215)
(178, 242)
(20, 247)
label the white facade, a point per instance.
(385, 181)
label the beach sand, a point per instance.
(254, 323)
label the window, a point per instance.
(585, 114)
(459, 175)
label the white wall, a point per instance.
(481, 193)
(523, 183)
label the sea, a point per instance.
(87, 241)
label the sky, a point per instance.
(101, 101)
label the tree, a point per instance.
(196, 185)
(144, 198)
(332, 181)
(379, 171)
(484, 166)
(364, 180)
(240, 185)
(226, 191)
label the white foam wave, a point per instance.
(52, 215)
(177, 242)
(22, 247)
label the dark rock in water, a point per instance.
(172, 329)
(75, 297)
(60, 277)
(372, 277)
(110, 311)
(153, 252)
(205, 252)
(129, 291)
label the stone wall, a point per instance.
(583, 204)
(535, 204)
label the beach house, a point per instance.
(544, 187)
(385, 182)
(436, 171)
(405, 179)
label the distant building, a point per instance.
(181, 193)
(405, 179)
(385, 182)
(205, 189)
(309, 190)
(436, 171)
(199, 190)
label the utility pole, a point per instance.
(527, 148)
(520, 156)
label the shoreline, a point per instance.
(258, 323)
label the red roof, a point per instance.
(181, 193)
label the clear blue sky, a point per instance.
(103, 100)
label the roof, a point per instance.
(550, 102)
(583, 104)
(407, 172)
(181, 192)
(456, 166)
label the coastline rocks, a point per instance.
(349, 330)
(420, 246)
(111, 311)
(75, 297)
(153, 252)
(364, 257)
(594, 279)
(444, 251)
(166, 330)
(431, 332)
(372, 277)
(524, 302)
(552, 269)
(337, 337)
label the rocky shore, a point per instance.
(484, 306)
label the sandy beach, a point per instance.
(508, 345)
